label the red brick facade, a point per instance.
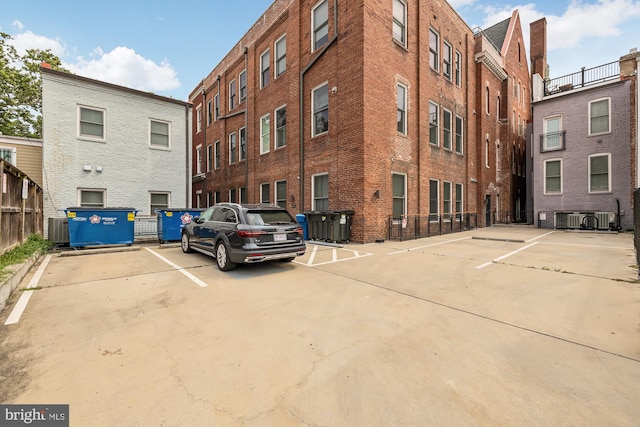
(363, 66)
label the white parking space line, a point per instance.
(180, 269)
(486, 264)
(427, 246)
(21, 305)
(540, 237)
(334, 256)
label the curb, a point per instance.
(17, 273)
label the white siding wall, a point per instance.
(130, 168)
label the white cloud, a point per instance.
(28, 40)
(125, 67)
(18, 24)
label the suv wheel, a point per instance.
(222, 257)
(184, 243)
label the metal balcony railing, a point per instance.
(584, 77)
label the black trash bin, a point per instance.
(330, 226)
(342, 225)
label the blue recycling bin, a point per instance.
(302, 220)
(171, 222)
(100, 226)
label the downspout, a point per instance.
(204, 137)
(246, 129)
(301, 95)
(637, 121)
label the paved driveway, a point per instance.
(499, 326)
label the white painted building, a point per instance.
(110, 146)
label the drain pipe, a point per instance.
(246, 130)
(301, 95)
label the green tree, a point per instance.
(21, 88)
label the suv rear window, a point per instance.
(268, 217)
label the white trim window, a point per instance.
(553, 176)
(9, 154)
(233, 148)
(320, 110)
(216, 106)
(320, 192)
(265, 134)
(91, 122)
(265, 69)
(243, 144)
(158, 200)
(199, 119)
(434, 49)
(446, 129)
(599, 173)
(92, 197)
(401, 95)
(242, 78)
(232, 95)
(400, 22)
(319, 25)
(434, 124)
(458, 69)
(281, 193)
(600, 116)
(159, 134)
(233, 193)
(216, 155)
(459, 201)
(199, 159)
(434, 199)
(447, 54)
(209, 157)
(209, 112)
(280, 60)
(459, 135)
(552, 133)
(399, 188)
(446, 200)
(281, 127)
(265, 193)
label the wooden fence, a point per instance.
(20, 207)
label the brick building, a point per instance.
(365, 106)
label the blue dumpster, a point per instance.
(100, 226)
(302, 220)
(171, 222)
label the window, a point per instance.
(92, 123)
(446, 129)
(401, 94)
(486, 100)
(446, 200)
(281, 194)
(320, 192)
(599, 177)
(232, 95)
(265, 193)
(433, 124)
(198, 199)
(233, 148)
(92, 198)
(243, 144)
(599, 116)
(216, 153)
(553, 176)
(216, 197)
(281, 127)
(320, 25)
(446, 60)
(209, 157)
(216, 107)
(264, 69)
(434, 50)
(320, 108)
(459, 201)
(552, 138)
(158, 201)
(159, 134)
(486, 152)
(458, 75)
(9, 154)
(209, 112)
(400, 22)
(433, 200)
(459, 135)
(209, 199)
(199, 159)
(265, 141)
(199, 118)
(243, 194)
(281, 55)
(243, 85)
(398, 182)
(233, 197)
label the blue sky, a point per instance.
(167, 47)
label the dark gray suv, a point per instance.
(235, 234)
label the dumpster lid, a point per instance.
(84, 208)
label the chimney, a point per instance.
(45, 65)
(538, 47)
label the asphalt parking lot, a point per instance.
(498, 326)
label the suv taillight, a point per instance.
(299, 231)
(244, 233)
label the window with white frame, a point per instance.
(216, 106)
(552, 138)
(599, 116)
(265, 64)
(599, 176)
(320, 25)
(487, 100)
(232, 95)
(281, 127)
(486, 152)
(401, 95)
(91, 122)
(233, 194)
(265, 132)
(434, 49)
(400, 22)
(158, 200)
(459, 205)
(209, 158)
(434, 199)
(243, 144)
(446, 200)
(281, 194)
(265, 193)
(9, 154)
(459, 135)
(281, 55)
(92, 198)
(553, 176)
(399, 187)
(320, 191)
(458, 72)
(159, 134)
(216, 155)
(447, 122)
(243, 195)
(199, 159)
(320, 108)
(209, 112)
(233, 148)
(199, 118)
(434, 128)
(242, 78)
(447, 54)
